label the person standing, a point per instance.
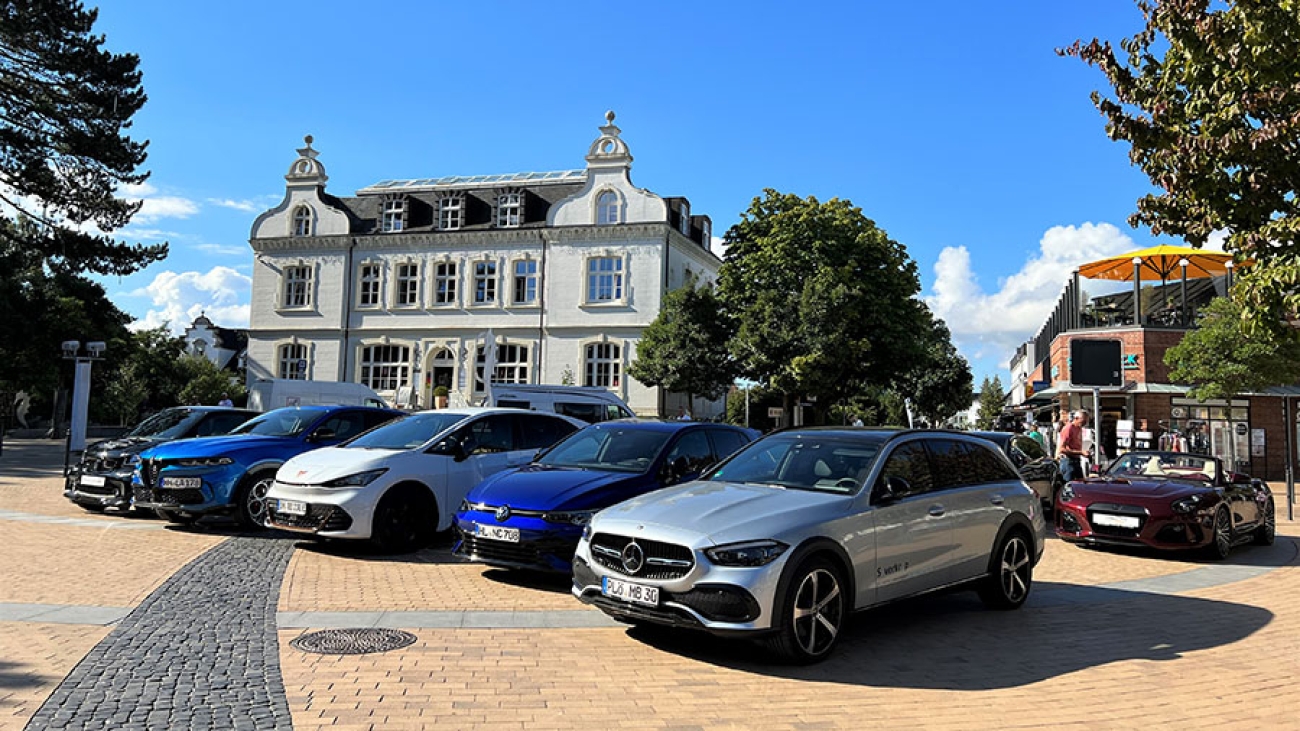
(1069, 446)
(1037, 435)
(225, 400)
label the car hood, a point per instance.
(124, 445)
(538, 487)
(722, 511)
(1128, 490)
(331, 463)
(216, 446)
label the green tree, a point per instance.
(64, 152)
(824, 300)
(1206, 95)
(205, 383)
(1222, 359)
(685, 349)
(991, 400)
(939, 382)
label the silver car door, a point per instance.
(912, 525)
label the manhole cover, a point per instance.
(352, 641)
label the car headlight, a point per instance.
(1067, 494)
(360, 479)
(204, 461)
(1190, 504)
(586, 532)
(748, 553)
(570, 517)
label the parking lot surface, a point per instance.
(119, 622)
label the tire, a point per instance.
(175, 518)
(1011, 572)
(250, 500)
(405, 520)
(810, 615)
(1221, 538)
(1267, 531)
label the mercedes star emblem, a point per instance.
(633, 558)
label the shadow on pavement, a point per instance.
(437, 552)
(540, 580)
(951, 642)
(1284, 551)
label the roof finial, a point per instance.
(308, 139)
(609, 117)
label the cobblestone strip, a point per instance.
(200, 652)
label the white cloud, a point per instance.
(156, 207)
(178, 298)
(246, 206)
(718, 245)
(992, 324)
(222, 249)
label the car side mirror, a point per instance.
(890, 488)
(322, 435)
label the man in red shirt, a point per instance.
(1069, 446)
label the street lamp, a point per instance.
(1137, 291)
(1183, 263)
(72, 351)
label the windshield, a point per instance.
(803, 461)
(288, 422)
(1164, 465)
(608, 448)
(407, 433)
(169, 423)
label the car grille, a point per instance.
(524, 552)
(190, 496)
(106, 489)
(101, 463)
(1114, 509)
(662, 560)
(150, 469)
(318, 517)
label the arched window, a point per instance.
(604, 365)
(292, 361)
(608, 209)
(302, 221)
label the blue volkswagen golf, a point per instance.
(189, 478)
(532, 517)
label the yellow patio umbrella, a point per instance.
(1159, 262)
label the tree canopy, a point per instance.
(824, 301)
(991, 400)
(939, 381)
(1207, 96)
(1220, 359)
(685, 349)
(65, 104)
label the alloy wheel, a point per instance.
(818, 612)
(255, 503)
(1222, 533)
(1014, 569)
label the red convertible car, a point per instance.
(1167, 500)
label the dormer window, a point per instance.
(394, 215)
(510, 209)
(451, 210)
(608, 209)
(302, 221)
(686, 219)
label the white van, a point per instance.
(265, 394)
(589, 403)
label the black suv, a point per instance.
(1036, 466)
(102, 479)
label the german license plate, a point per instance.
(93, 480)
(1117, 521)
(291, 507)
(497, 532)
(629, 592)
(181, 483)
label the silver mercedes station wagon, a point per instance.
(789, 535)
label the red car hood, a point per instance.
(1134, 490)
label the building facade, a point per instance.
(413, 284)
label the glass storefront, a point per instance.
(1214, 428)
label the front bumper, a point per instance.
(102, 490)
(542, 546)
(1077, 524)
(330, 512)
(214, 495)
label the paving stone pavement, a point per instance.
(200, 652)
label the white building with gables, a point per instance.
(405, 285)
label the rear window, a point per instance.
(590, 413)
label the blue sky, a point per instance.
(952, 125)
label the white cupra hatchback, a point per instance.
(793, 533)
(399, 484)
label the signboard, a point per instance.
(1257, 442)
(775, 412)
(1242, 429)
(1096, 362)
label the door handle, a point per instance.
(996, 499)
(937, 510)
